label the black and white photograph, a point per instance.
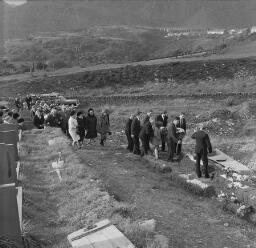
(127, 124)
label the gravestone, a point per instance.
(8, 173)
(9, 217)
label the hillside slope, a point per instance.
(68, 15)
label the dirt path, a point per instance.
(188, 220)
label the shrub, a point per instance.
(230, 101)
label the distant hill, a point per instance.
(43, 16)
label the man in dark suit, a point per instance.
(135, 131)
(148, 116)
(172, 138)
(203, 146)
(163, 118)
(182, 124)
(145, 135)
(128, 133)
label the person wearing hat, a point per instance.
(128, 126)
(172, 139)
(163, 118)
(148, 116)
(39, 120)
(203, 146)
(135, 131)
(182, 126)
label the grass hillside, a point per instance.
(100, 45)
(68, 15)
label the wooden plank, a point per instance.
(228, 162)
(85, 231)
(19, 203)
(18, 169)
(20, 135)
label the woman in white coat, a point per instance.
(72, 128)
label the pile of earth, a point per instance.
(221, 122)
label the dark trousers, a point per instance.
(202, 156)
(144, 147)
(179, 146)
(147, 145)
(81, 138)
(136, 145)
(163, 138)
(130, 142)
(171, 149)
(163, 145)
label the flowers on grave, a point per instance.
(244, 210)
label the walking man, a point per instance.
(172, 139)
(135, 131)
(203, 146)
(128, 133)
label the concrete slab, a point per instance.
(227, 162)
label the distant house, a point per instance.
(183, 31)
(238, 31)
(253, 29)
(216, 31)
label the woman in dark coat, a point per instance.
(91, 125)
(81, 127)
(39, 120)
(103, 126)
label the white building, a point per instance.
(253, 29)
(216, 31)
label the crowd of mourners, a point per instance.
(80, 126)
(140, 133)
(158, 132)
(76, 124)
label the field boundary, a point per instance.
(148, 97)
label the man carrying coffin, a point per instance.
(163, 118)
(182, 127)
(135, 131)
(172, 139)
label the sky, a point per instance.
(15, 3)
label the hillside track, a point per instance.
(77, 70)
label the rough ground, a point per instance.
(188, 220)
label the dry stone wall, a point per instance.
(139, 74)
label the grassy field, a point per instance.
(54, 209)
(108, 182)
